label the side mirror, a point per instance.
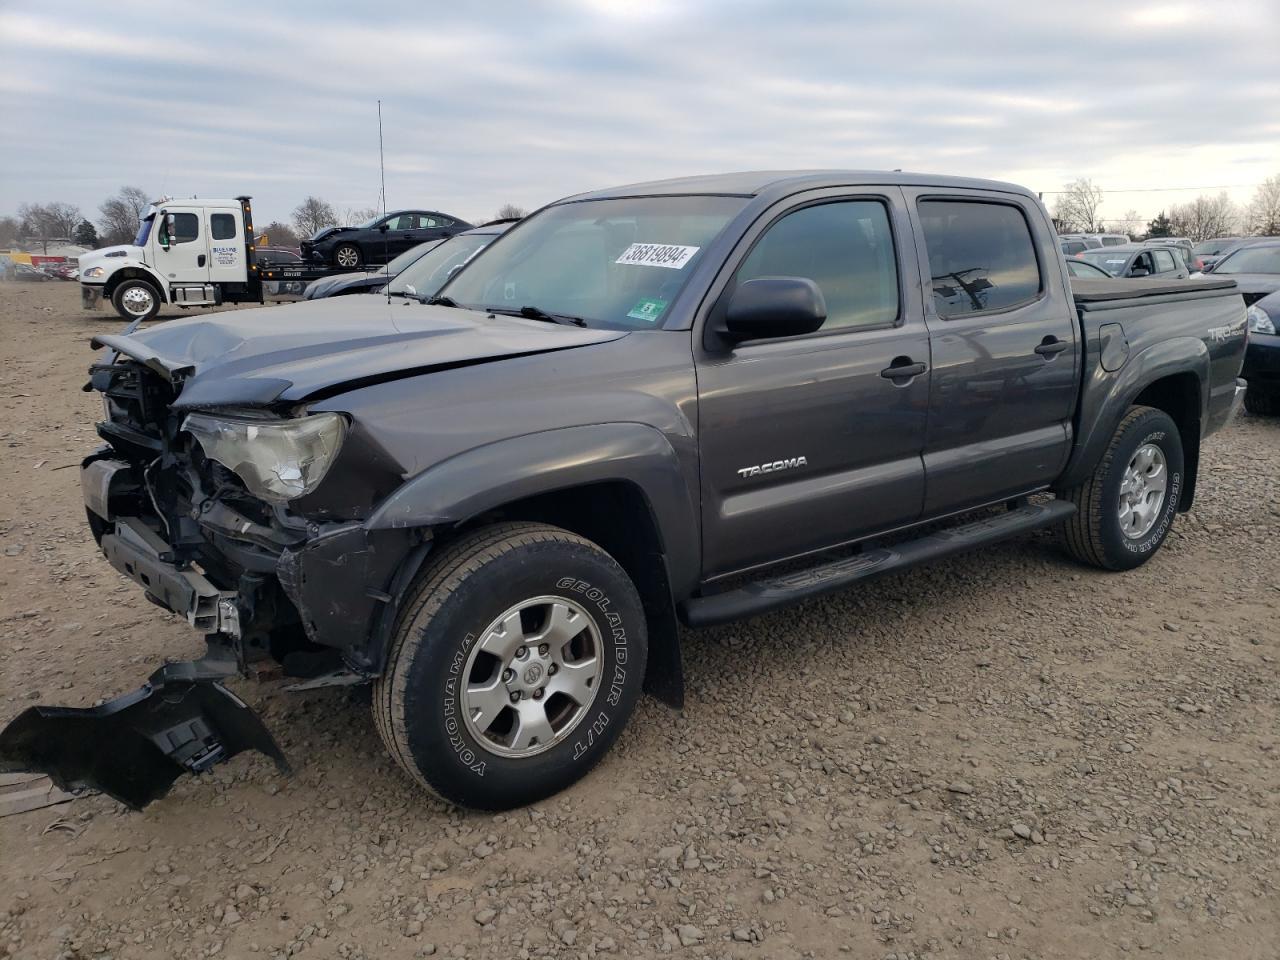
(1139, 272)
(383, 228)
(168, 223)
(774, 307)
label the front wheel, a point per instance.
(346, 255)
(514, 666)
(1124, 511)
(136, 300)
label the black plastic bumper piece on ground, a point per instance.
(182, 720)
(770, 594)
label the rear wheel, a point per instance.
(347, 255)
(513, 668)
(136, 300)
(1124, 511)
(1261, 403)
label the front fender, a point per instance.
(130, 269)
(1108, 396)
(487, 477)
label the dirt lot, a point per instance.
(1002, 756)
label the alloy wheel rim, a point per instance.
(531, 677)
(1142, 491)
(347, 257)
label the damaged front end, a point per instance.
(261, 580)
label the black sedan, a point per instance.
(380, 239)
(1262, 357)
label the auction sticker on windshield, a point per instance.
(670, 255)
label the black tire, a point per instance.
(350, 250)
(1261, 403)
(1094, 535)
(416, 701)
(125, 298)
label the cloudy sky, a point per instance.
(528, 101)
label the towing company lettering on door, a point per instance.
(775, 467)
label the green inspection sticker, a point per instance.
(648, 309)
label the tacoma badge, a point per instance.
(774, 467)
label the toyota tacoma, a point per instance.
(687, 401)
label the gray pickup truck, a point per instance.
(678, 402)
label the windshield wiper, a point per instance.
(537, 313)
(439, 301)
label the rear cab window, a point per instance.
(222, 226)
(982, 258)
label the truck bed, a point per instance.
(1097, 291)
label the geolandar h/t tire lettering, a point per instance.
(1125, 510)
(514, 666)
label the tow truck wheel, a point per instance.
(346, 255)
(136, 300)
(516, 661)
(1124, 511)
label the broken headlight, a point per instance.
(278, 460)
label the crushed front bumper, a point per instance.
(182, 720)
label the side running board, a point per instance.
(774, 592)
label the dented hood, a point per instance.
(303, 350)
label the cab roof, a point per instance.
(782, 182)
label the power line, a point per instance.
(1212, 186)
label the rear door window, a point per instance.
(1164, 262)
(981, 256)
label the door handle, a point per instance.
(903, 368)
(1051, 347)
(200, 260)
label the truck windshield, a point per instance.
(144, 227)
(438, 264)
(1250, 260)
(615, 263)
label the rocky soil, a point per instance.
(1001, 756)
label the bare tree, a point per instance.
(1264, 209)
(120, 215)
(354, 216)
(280, 234)
(1205, 217)
(49, 221)
(1076, 208)
(509, 211)
(313, 214)
(10, 231)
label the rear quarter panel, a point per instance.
(1200, 333)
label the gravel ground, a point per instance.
(1005, 755)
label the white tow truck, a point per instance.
(189, 253)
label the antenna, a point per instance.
(382, 166)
